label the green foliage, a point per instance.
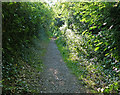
(22, 22)
(91, 40)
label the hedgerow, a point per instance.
(89, 42)
(22, 23)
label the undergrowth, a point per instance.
(88, 38)
(26, 31)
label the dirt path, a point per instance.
(56, 77)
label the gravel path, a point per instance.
(56, 77)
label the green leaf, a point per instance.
(93, 27)
(107, 54)
(96, 48)
(84, 32)
(105, 49)
(113, 63)
(99, 43)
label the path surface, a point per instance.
(56, 77)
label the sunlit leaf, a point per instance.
(96, 48)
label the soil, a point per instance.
(56, 76)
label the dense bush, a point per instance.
(89, 42)
(21, 24)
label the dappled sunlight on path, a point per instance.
(56, 77)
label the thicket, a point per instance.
(88, 36)
(22, 23)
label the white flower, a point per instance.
(98, 89)
(102, 90)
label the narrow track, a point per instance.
(56, 77)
